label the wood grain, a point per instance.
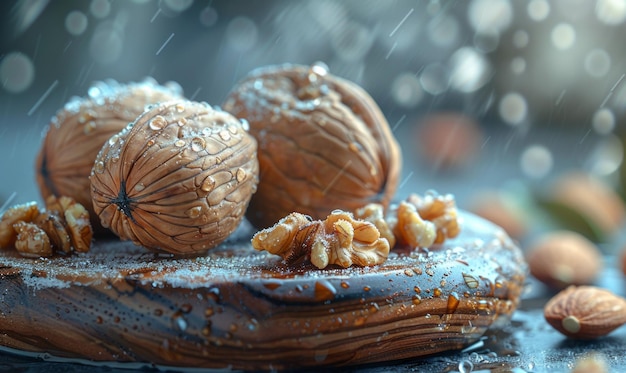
(237, 308)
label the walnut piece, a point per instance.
(424, 221)
(375, 214)
(24, 212)
(40, 233)
(340, 240)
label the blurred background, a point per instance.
(487, 97)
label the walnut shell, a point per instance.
(78, 131)
(178, 179)
(324, 143)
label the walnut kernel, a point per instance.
(36, 232)
(425, 220)
(338, 240)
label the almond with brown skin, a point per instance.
(585, 312)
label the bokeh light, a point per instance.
(434, 79)
(406, 90)
(563, 36)
(470, 70)
(538, 10)
(611, 12)
(603, 121)
(513, 108)
(597, 63)
(536, 161)
(241, 33)
(208, 16)
(100, 8)
(490, 15)
(606, 157)
(76, 22)
(17, 72)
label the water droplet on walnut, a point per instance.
(208, 184)
(89, 127)
(99, 167)
(157, 123)
(241, 174)
(197, 144)
(194, 212)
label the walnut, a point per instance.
(36, 232)
(424, 221)
(176, 180)
(323, 143)
(338, 240)
(78, 131)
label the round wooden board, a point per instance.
(241, 309)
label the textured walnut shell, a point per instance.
(78, 131)
(324, 144)
(178, 179)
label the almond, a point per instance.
(585, 312)
(563, 258)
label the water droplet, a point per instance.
(224, 135)
(318, 70)
(179, 322)
(240, 175)
(245, 124)
(354, 147)
(98, 167)
(437, 292)
(89, 127)
(157, 123)
(470, 281)
(99, 320)
(181, 122)
(180, 108)
(453, 302)
(180, 143)
(465, 366)
(324, 290)
(208, 184)
(197, 144)
(467, 328)
(345, 284)
(417, 299)
(194, 212)
(233, 129)
(139, 187)
(113, 139)
(359, 321)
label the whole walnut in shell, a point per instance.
(324, 143)
(178, 179)
(78, 131)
